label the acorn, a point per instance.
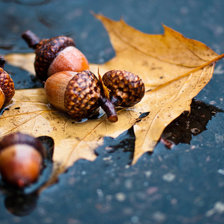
(7, 89)
(54, 55)
(125, 88)
(79, 94)
(21, 159)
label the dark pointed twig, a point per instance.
(2, 62)
(31, 39)
(109, 109)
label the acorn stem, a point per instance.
(109, 109)
(2, 62)
(31, 39)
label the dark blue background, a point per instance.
(108, 190)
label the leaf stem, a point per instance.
(189, 72)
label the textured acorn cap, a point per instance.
(6, 85)
(20, 138)
(126, 89)
(76, 93)
(82, 94)
(46, 51)
(21, 159)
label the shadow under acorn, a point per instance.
(21, 202)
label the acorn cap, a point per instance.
(126, 89)
(46, 51)
(6, 85)
(82, 95)
(19, 138)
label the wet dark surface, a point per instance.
(182, 185)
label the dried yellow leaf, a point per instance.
(173, 68)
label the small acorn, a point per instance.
(126, 88)
(55, 54)
(79, 94)
(21, 159)
(7, 89)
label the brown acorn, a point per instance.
(7, 89)
(126, 89)
(55, 54)
(79, 94)
(21, 159)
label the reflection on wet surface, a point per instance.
(188, 124)
(21, 202)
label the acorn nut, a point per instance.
(21, 159)
(54, 55)
(79, 94)
(126, 88)
(7, 89)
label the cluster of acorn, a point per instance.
(70, 87)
